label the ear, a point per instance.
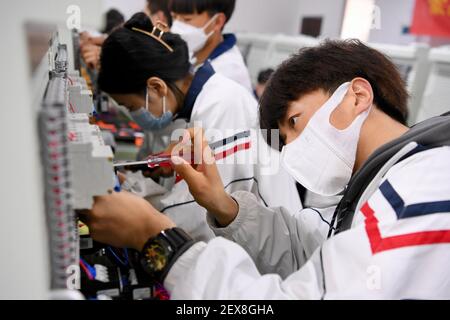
(158, 85)
(362, 91)
(220, 22)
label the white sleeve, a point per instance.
(254, 229)
(223, 270)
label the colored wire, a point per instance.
(86, 269)
(90, 268)
(161, 293)
(71, 108)
(126, 255)
(117, 257)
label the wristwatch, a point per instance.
(162, 251)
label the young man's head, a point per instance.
(158, 10)
(200, 22)
(334, 104)
(302, 84)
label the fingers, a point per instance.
(87, 39)
(197, 136)
(98, 40)
(84, 38)
(193, 143)
(91, 55)
(202, 151)
(185, 170)
(91, 60)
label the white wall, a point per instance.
(265, 16)
(394, 16)
(284, 16)
(126, 7)
(332, 12)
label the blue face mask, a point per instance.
(147, 121)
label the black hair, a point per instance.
(130, 57)
(326, 67)
(199, 6)
(160, 5)
(113, 20)
(264, 75)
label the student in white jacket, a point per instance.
(201, 24)
(140, 68)
(337, 121)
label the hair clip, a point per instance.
(158, 37)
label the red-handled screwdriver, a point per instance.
(164, 159)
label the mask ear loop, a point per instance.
(146, 99)
(164, 104)
(208, 24)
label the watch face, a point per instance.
(156, 256)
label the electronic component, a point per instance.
(63, 236)
(105, 274)
(76, 49)
(91, 161)
(80, 97)
(61, 62)
(77, 166)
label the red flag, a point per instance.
(431, 18)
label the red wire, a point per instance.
(86, 270)
(71, 108)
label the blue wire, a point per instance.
(90, 268)
(126, 255)
(117, 187)
(117, 257)
(86, 264)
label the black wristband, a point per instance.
(161, 252)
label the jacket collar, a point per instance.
(202, 75)
(229, 41)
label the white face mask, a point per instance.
(195, 37)
(322, 157)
